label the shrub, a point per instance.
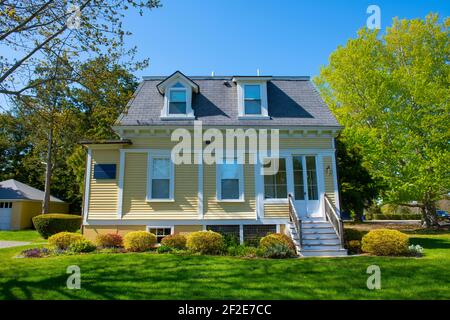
(242, 251)
(82, 246)
(53, 223)
(415, 250)
(109, 240)
(35, 252)
(63, 240)
(205, 242)
(164, 249)
(276, 238)
(139, 241)
(410, 216)
(385, 242)
(230, 240)
(353, 246)
(278, 250)
(176, 241)
(353, 234)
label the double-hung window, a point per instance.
(252, 99)
(230, 182)
(177, 99)
(161, 182)
(275, 183)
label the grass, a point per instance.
(22, 235)
(153, 276)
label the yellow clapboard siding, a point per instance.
(228, 210)
(135, 205)
(305, 143)
(276, 210)
(329, 182)
(103, 193)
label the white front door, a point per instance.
(306, 186)
(5, 215)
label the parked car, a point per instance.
(443, 214)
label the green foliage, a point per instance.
(164, 249)
(205, 242)
(139, 241)
(353, 234)
(230, 240)
(390, 92)
(385, 242)
(82, 246)
(408, 216)
(275, 239)
(358, 188)
(50, 224)
(242, 251)
(64, 240)
(176, 241)
(277, 251)
(109, 240)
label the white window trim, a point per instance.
(160, 227)
(219, 185)
(241, 104)
(165, 115)
(158, 155)
(276, 200)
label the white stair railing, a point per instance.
(296, 221)
(333, 218)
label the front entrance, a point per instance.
(306, 186)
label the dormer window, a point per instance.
(252, 97)
(177, 99)
(177, 90)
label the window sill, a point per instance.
(231, 200)
(276, 200)
(253, 117)
(159, 200)
(177, 117)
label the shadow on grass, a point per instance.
(430, 243)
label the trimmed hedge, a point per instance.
(82, 246)
(276, 239)
(385, 242)
(109, 240)
(53, 223)
(63, 240)
(176, 241)
(205, 242)
(139, 241)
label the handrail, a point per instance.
(294, 218)
(332, 216)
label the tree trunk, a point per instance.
(429, 216)
(48, 172)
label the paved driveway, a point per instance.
(9, 244)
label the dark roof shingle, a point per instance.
(291, 101)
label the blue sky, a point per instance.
(237, 37)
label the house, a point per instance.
(20, 202)
(134, 182)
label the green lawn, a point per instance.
(22, 235)
(152, 276)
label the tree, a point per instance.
(37, 30)
(358, 188)
(391, 92)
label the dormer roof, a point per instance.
(174, 77)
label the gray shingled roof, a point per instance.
(292, 101)
(14, 190)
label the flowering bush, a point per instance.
(177, 241)
(82, 246)
(385, 242)
(35, 252)
(415, 250)
(205, 242)
(109, 240)
(138, 241)
(63, 240)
